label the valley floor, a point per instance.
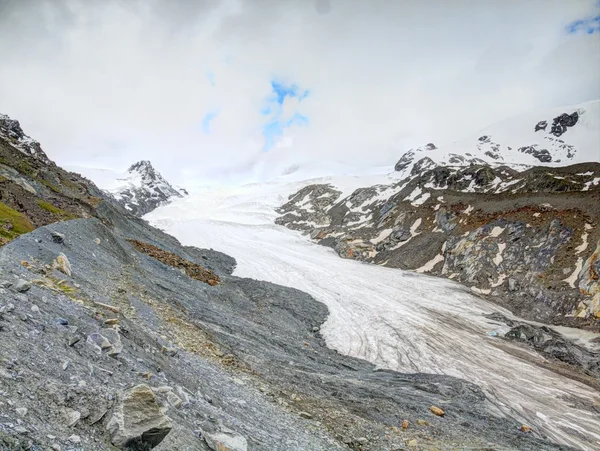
(396, 319)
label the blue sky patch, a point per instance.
(211, 78)
(297, 119)
(589, 25)
(273, 110)
(586, 25)
(206, 120)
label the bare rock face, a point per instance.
(137, 421)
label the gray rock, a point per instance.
(137, 422)
(174, 400)
(71, 417)
(22, 286)
(114, 339)
(99, 341)
(225, 440)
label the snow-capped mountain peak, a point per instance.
(142, 188)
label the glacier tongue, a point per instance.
(399, 320)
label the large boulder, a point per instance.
(137, 421)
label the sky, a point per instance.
(232, 91)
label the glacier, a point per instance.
(396, 319)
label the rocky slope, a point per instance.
(33, 190)
(526, 236)
(115, 336)
(142, 188)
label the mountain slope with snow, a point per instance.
(556, 137)
(143, 188)
(140, 189)
(11, 131)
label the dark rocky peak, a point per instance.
(143, 167)
(562, 122)
(11, 130)
(422, 165)
(405, 161)
(409, 157)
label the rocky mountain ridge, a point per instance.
(525, 236)
(34, 191)
(10, 130)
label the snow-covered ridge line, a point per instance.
(556, 137)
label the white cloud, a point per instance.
(111, 82)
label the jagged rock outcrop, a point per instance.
(555, 347)
(137, 421)
(143, 189)
(11, 131)
(561, 123)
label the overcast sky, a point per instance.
(234, 90)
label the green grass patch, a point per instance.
(13, 223)
(25, 168)
(55, 210)
(49, 185)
